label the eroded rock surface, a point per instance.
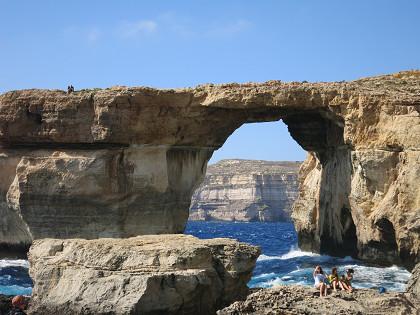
(154, 274)
(246, 190)
(413, 285)
(294, 300)
(125, 161)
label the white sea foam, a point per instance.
(392, 278)
(267, 257)
(14, 263)
(293, 253)
(264, 276)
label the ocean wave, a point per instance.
(293, 253)
(264, 276)
(267, 257)
(14, 263)
(393, 278)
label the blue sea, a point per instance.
(281, 262)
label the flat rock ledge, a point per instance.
(151, 274)
(295, 300)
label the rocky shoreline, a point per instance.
(300, 300)
(294, 300)
(113, 289)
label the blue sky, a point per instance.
(50, 44)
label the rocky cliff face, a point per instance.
(156, 274)
(125, 161)
(246, 190)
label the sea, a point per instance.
(281, 261)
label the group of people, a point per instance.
(324, 282)
(70, 89)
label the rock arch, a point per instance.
(124, 161)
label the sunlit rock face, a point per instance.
(246, 190)
(103, 193)
(147, 275)
(125, 161)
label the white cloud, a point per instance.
(138, 28)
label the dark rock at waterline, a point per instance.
(5, 304)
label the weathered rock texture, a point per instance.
(294, 300)
(246, 190)
(155, 274)
(125, 161)
(413, 285)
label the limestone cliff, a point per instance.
(246, 190)
(155, 274)
(125, 161)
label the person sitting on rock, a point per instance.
(346, 280)
(18, 305)
(320, 281)
(334, 279)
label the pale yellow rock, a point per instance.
(155, 274)
(139, 153)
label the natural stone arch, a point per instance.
(124, 161)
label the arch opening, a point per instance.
(320, 133)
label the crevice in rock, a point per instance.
(36, 117)
(349, 246)
(386, 228)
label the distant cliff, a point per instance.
(246, 190)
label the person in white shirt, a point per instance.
(320, 281)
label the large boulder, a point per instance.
(155, 274)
